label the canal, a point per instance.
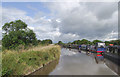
(72, 62)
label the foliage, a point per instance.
(115, 42)
(47, 41)
(21, 63)
(87, 42)
(96, 41)
(107, 43)
(60, 42)
(83, 41)
(76, 42)
(39, 41)
(16, 33)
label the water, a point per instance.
(74, 63)
(47, 69)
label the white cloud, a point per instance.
(43, 27)
(70, 21)
(67, 37)
(58, 20)
(31, 27)
(9, 14)
(87, 20)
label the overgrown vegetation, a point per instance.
(21, 63)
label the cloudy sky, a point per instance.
(66, 21)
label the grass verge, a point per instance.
(24, 62)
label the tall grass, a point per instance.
(0, 48)
(26, 61)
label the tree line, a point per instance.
(87, 42)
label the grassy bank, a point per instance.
(0, 48)
(26, 61)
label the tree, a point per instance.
(107, 43)
(47, 41)
(96, 41)
(39, 41)
(115, 42)
(16, 33)
(69, 43)
(84, 41)
(76, 42)
(79, 42)
(119, 42)
(60, 42)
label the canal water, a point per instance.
(72, 62)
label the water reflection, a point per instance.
(46, 69)
(75, 63)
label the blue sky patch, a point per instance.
(31, 8)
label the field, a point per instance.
(27, 61)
